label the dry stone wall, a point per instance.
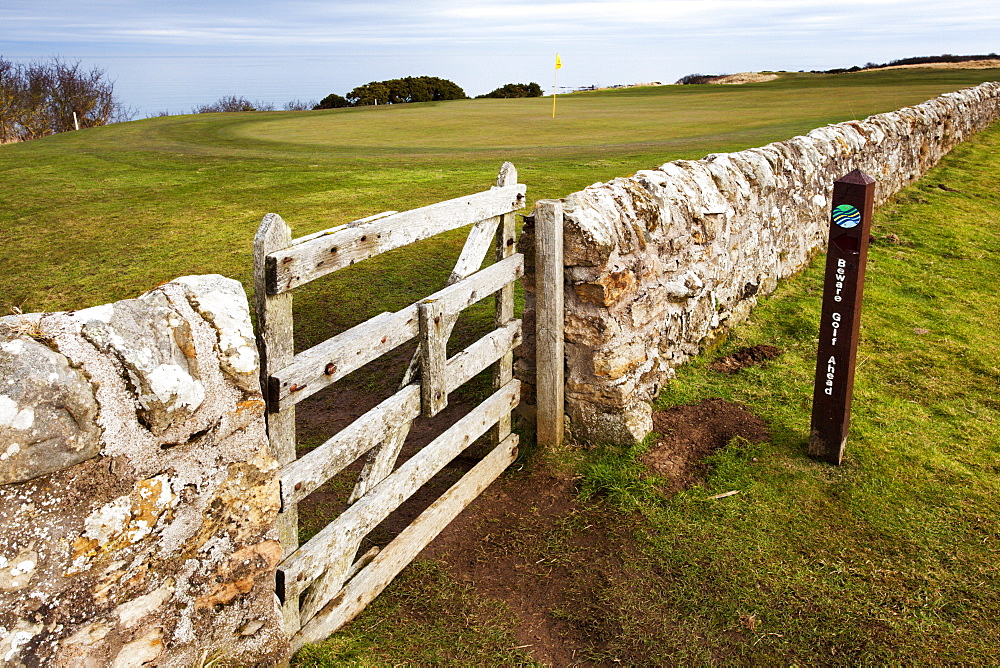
(138, 495)
(660, 262)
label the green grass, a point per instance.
(415, 626)
(104, 214)
(890, 558)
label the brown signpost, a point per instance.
(850, 222)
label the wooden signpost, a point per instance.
(850, 222)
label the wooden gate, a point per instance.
(324, 583)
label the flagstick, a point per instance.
(555, 75)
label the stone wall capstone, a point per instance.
(138, 494)
(659, 263)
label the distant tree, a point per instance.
(332, 101)
(299, 105)
(232, 103)
(408, 89)
(375, 92)
(40, 99)
(515, 90)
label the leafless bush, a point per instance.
(299, 105)
(232, 103)
(40, 99)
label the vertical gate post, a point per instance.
(549, 358)
(503, 304)
(277, 349)
(840, 322)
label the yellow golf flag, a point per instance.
(558, 65)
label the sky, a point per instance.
(172, 55)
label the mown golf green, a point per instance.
(890, 558)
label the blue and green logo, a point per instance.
(846, 216)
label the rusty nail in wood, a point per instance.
(384, 339)
(296, 388)
(330, 369)
(437, 395)
(287, 260)
(437, 319)
(298, 486)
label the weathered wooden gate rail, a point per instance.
(323, 584)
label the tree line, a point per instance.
(43, 98)
(916, 60)
(515, 90)
(396, 91)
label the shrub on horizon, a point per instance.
(40, 99)
(232, 103)
(299, 105)
(515, 90)
(407, 89)
(697, 78)
(332, 101)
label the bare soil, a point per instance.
(744, 358)
(516, 543)
(691, 433)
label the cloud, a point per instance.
(310, 24)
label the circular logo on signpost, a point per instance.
(846, 216)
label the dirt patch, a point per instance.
(745, 357)
(528, 543)
(691, 433)
(559, 565)
(571, 575)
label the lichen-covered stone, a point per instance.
(663, 261)
(152, 342)
(162, 546)
(47, 410)
(220, 301)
